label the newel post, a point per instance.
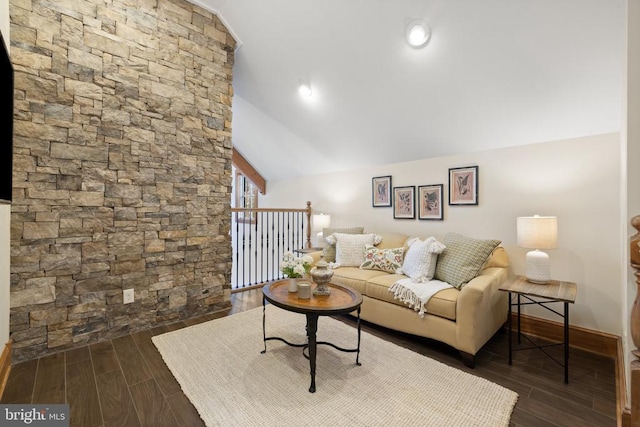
(634, 255)
(308, 244)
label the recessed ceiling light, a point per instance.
(304, 89)
(417, 33)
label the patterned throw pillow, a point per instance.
(329, 249)
(420, 262)
(463, 258)
(350, 247)
(389, 260)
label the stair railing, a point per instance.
(259, 238)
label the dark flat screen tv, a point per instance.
(6, 129)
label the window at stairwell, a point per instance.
(246, 197)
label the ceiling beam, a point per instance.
(247, 170)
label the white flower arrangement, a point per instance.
(293, 266)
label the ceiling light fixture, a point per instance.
(304, 89)
(417, 33)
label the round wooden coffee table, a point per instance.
(342, 300)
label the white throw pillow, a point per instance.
(420, 260)
(350, 247)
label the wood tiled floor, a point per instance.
(124, 382)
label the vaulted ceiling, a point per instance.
(495, 73)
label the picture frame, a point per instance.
(404, 206)
(381, 191)
(430, 202)
(463, 186)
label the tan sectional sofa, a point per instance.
(464, 318)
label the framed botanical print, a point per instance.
(404, 202)
(381, 191)
(463, 186)
(430, 202)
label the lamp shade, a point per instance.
(321, 221)
(537, 232)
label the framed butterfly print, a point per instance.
(404, 204)
(463, 186)
(381, 191)
(430, 202)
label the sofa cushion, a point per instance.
(442, 304)
(354, 277)
(378, 287)
(350, 247)
(463, 258)
(328, 249)
(420, 261)
(388, 260)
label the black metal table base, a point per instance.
(564, 344)
(311, 344)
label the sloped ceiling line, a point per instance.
(494, 74)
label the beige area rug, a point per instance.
(220, 369)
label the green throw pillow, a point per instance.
(462, 258)
(329, 250)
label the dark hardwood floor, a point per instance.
(124, 382)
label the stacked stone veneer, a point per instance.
(122, 168)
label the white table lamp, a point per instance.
(537, 232)
(321, 221)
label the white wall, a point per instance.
(5, 227)
(631, 169)
(4, 18)
(577, 180)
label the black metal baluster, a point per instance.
(237, 281)
(255, 255)
(260, 260)
(300, 230)
(303, 234)
(247, 253)
(244, 245)
(265, 250)
(289, 232)
(274, 255)
(296, 234)
(279, 250)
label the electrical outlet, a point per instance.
(128, 296)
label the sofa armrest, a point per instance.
(317, 255)
(481, 309)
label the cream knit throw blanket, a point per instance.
(417, 294)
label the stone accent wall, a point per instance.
(122, 168)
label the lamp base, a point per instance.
(537, 268)
(319, 240)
